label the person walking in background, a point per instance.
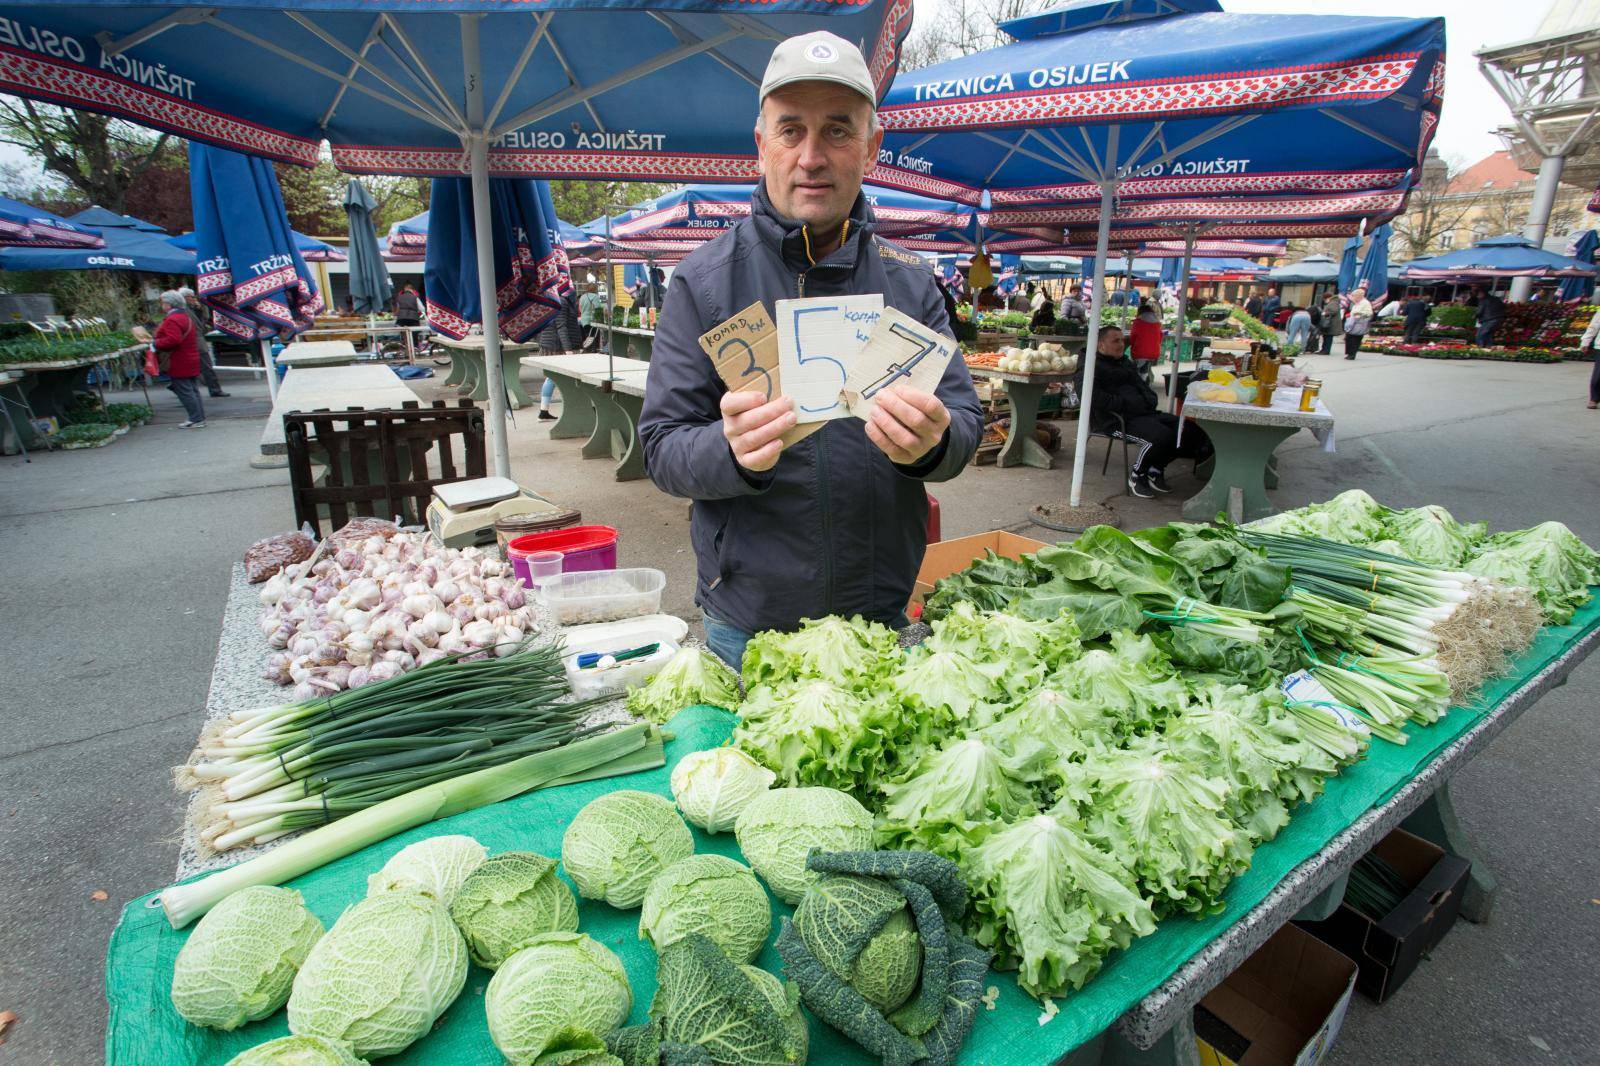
(1590, 335)
(591, 306)
(1253, 305)
(1299, 329)
(1269, 308)
(1144, 336)
(1332, 321)
(1357, 322)
(1314, 343)
(201, 315)
(1491, 312)
(564, 333)
(178, 350)
(1416, 312)
(407, 306)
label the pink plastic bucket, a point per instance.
(585, 548)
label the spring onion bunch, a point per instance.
(624, 751)
(274, 770)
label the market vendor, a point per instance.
(1124, 406)
(834, 523)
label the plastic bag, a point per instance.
(266, 557)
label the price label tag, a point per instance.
(744, 351)
(899, 349)
(1302, 687)
(819, 340)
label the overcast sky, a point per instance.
(1471, 108)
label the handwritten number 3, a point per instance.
(750, 369)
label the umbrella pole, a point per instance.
(483, 239)
(1183, 311)
(1108, 189)
(611, 314)
(265, 347)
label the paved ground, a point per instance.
(115, 568)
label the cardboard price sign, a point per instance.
(744, 351)
(900, 349)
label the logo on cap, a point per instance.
(821, 52)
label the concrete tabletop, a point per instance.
(627, 380)
(68, 364)
(333, 388)
(1285, 411)
(318, 353)
(586, 363)
(1048, 378)
(474, 343)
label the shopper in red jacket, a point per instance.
(178, 346)
(1144, 334)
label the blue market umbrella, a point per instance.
(370, 287)
(1348, 266)
(33, 227)
(1374, 273)
(311, 249)
(530, 269)
(1170, 270)
(250, 273)
(1112, 111)
(567, 89)
(1315, 269)
(1582, 250)
(408, 238)
(127, 246)
(1508, 256)
(98, 216)
(700, 212)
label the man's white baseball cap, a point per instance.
(819, 56)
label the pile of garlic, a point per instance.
(381, 606)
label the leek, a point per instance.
(636, 747)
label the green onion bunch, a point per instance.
(274, 770)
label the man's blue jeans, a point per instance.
(726, 642)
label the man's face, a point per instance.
(191, 299)
(1111, 343)
(816, 144)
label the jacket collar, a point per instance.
(793, 239)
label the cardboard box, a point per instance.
(1282, 1007)
(1388, 951)
(948, 556)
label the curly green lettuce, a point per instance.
(947, 793)
(815, 732)
(847, 652)
(690, 677)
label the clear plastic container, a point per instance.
(603, 595)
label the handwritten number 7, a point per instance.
(750, 369)
(801, 356)
(905, 366)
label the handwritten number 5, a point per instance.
(802, 357)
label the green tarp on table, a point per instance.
(144, 1030)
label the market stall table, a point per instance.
(332, 388)
(618, 399)
(1026, 392)
(577, 396)
(467, 353)
(1137, 1010)
(1245, 437)
(631, 342)
(47, 386)
(317, 353)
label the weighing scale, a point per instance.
(463, 513)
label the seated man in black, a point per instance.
(1120, 390)
(1044, 319)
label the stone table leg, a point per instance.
(642, 347)
(1020, 449)
(1176, 1047)
(610, 436)
(1436, 821)
(1241, 462)
(473, 381)
(577, 408)
(631, 468)
(511, 374)
(458, 367)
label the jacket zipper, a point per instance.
(822, 491)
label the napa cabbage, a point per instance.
(708, 894)
(509, 900)
(616, 844)
(712, 787)
(381, 976)
(240, 962)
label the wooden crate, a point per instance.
(377, 463)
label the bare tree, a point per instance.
(1433, 210)
(961, 27)
(100, 157)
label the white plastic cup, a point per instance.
(544, 569)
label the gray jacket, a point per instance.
(835, 527)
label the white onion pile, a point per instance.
(381, 606)
(1046, 359)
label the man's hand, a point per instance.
(907, 423)
(753, 428)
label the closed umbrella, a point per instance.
(1582, 249)
(370, 287)
(1348, 265)
(1374, 273)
